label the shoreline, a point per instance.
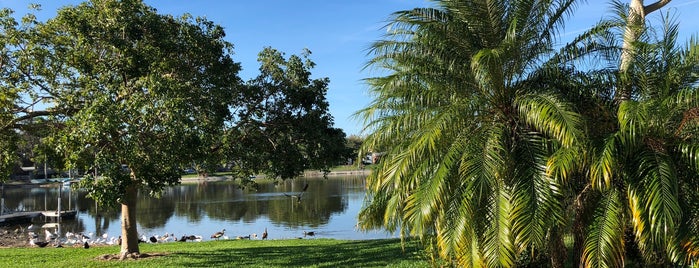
(306, 174)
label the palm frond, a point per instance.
(660, 196)
(498, 244)
(548, 115)
(536, 198)
(603, 168)
(604, 243)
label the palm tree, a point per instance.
(644, 173)
(469, 125)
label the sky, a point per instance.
(337, 32)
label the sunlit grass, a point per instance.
(240, 253)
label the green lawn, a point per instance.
(231, 253)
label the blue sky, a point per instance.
(337, 32)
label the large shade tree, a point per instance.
(283, 125)
(469, 125)
(134, 95)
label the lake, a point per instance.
(329, 208)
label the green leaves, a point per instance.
(604, 243)
(467, 134)
(282, 124)
(123, 85)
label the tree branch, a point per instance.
(33, 114)
(655, 6)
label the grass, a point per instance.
(240, 253)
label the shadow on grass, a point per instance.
(371, 253)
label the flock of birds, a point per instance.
(70, 239)
(85, 240)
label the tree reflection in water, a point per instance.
(329, 208)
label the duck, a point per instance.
(309, 233)
(264, 234)
(153, 239)
(86, 245)
(218, 235)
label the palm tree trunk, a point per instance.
(635, 23)
(558, 249)
(579, 223)
(129, 233)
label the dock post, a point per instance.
(60, 192)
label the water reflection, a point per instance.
(329, 208)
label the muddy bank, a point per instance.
(13, 238)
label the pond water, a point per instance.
(329, 208)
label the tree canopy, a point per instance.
(283, 126)
(130, 97)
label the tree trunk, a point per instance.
(129, 233)
(580, 207)
(635, 23)
(558, 250)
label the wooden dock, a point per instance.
(18, 217)
(65, 214)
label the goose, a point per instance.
(218, 235)
(167, 238)
(299, 195)
(197, 238)
(264, 235)
(244, 237)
